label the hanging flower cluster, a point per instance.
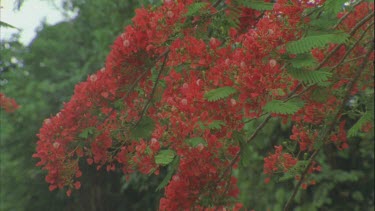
(168, 96)
(8, 104)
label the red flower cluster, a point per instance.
(8, 104)
(279, 161)
(159, 74)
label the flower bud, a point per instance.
(273, 63)
(126, 43)
(184, 101)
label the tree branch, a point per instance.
(347, 14)
(145, 108)
(331, 127)
(352, 47)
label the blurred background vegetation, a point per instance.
(42, 75)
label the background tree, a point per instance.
(41, 77)
(57, 60)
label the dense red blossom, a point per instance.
(8, 104)
(278, 162)
(157, 58)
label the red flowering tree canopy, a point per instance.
(183, 81)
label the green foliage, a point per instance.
(280, 107)
(165, 157)
(295, 170)
(334, 6)
(311, 77)
(143, 129)
(257, 4)
(305, 44)
(171, 170)
(86, 132)
(367, 116)
(216, 125)
(193, 142)
(320, 94)
(233, 17)
(324, 22)
(219, 93)
(358, 125)
(303, 60)
(245, 150)
(194, 9)
(41, 77)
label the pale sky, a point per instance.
(29, 17)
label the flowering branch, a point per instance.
(326, 132)
(165, 55)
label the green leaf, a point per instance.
(323, 23)
(233, 16)
(334, 6)
(193, 142)
(86, 132)
(165, 157)
(144, 129)
(258, 5)
(305, 60)
(353, 131)
(172, 168)
(119, 104)
(216, 125)
(310, 77)
(245, 151)
(195, 8)
(305, 44)
(320, 94)
(219, 93)
(370, 106)
(280, 107)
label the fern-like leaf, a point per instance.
(257, 5)
(144, 129)
(219, 93)
(233, 17)
(216, 125)
(165, 157)
(172, 168)
(358, 125)
(334, 6)
(295, 170)
(304, 60)
(195, 8)
(323, 23)
(193, 142)
(280, 107)
(245, 150)
(305, 44)
(311, 77)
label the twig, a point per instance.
(350, 60)
(135, 83)
(153, 89)
(351, 33)
(352, 47)
(347, 14)
(331, 126)
(234, 160)
(359, 24)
